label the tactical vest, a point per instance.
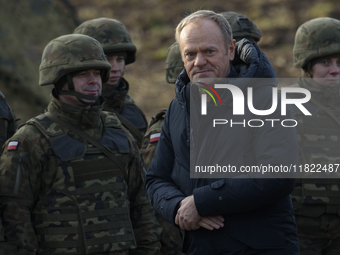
(87, 209)
(131, 116)
(319, 143)
(134, 115)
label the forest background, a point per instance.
(26, 26)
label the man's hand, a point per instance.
(211, 222)
(188, 218)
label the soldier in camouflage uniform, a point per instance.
(120, 51)
(316, 201)
(8, 124)
(242, 27)
(72, 178)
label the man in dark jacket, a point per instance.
(247, 215)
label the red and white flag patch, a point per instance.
(13, 145)
(154, 137)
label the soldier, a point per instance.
(71, 179)
(120, 51)
(8, 124)
(316, 201)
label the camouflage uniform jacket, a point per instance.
(118, 101)
(74, 200)
(318, 137)
(151, 137)
(171, 237)
(8, 126)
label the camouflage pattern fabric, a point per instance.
(8, 127)
(8, 124)
(173, 64)
(155, 127)
(69, 53)
(242, 27)
(112, 35)
(319, 246)
(316, 202)
(32, 167)
(171, 237)
(119, 101)
(316, 38)
(114, 38)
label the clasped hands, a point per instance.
(188, 218)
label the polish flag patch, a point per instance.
(13, 145)
(154, 137)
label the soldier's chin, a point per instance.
(327, 82)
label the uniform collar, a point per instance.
(115, 95)
(84, 118)
(324, 94)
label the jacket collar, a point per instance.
(249, 62)
(324, 94)
(82, 117)
(114, 95)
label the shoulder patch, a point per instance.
(159, 116)
(13, 146)
(155, 137)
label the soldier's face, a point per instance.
(117, 68)
(327, 72)
(204, 51)
(88, 82)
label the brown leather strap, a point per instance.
(91, 140)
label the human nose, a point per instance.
(93, 78)
(114, 66)
(200, 60)
(335, 68)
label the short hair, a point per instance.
(219, 19)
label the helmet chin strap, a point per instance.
(79, 96)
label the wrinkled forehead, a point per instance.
(205, 32)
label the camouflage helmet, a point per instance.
(70, 53)
(112, 35)
(173, 63)
(242, 27)
(316, 38)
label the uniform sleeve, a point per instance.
(150, 142)
(271, 145)
(146, 227)
(20, 170)
(163, 193)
